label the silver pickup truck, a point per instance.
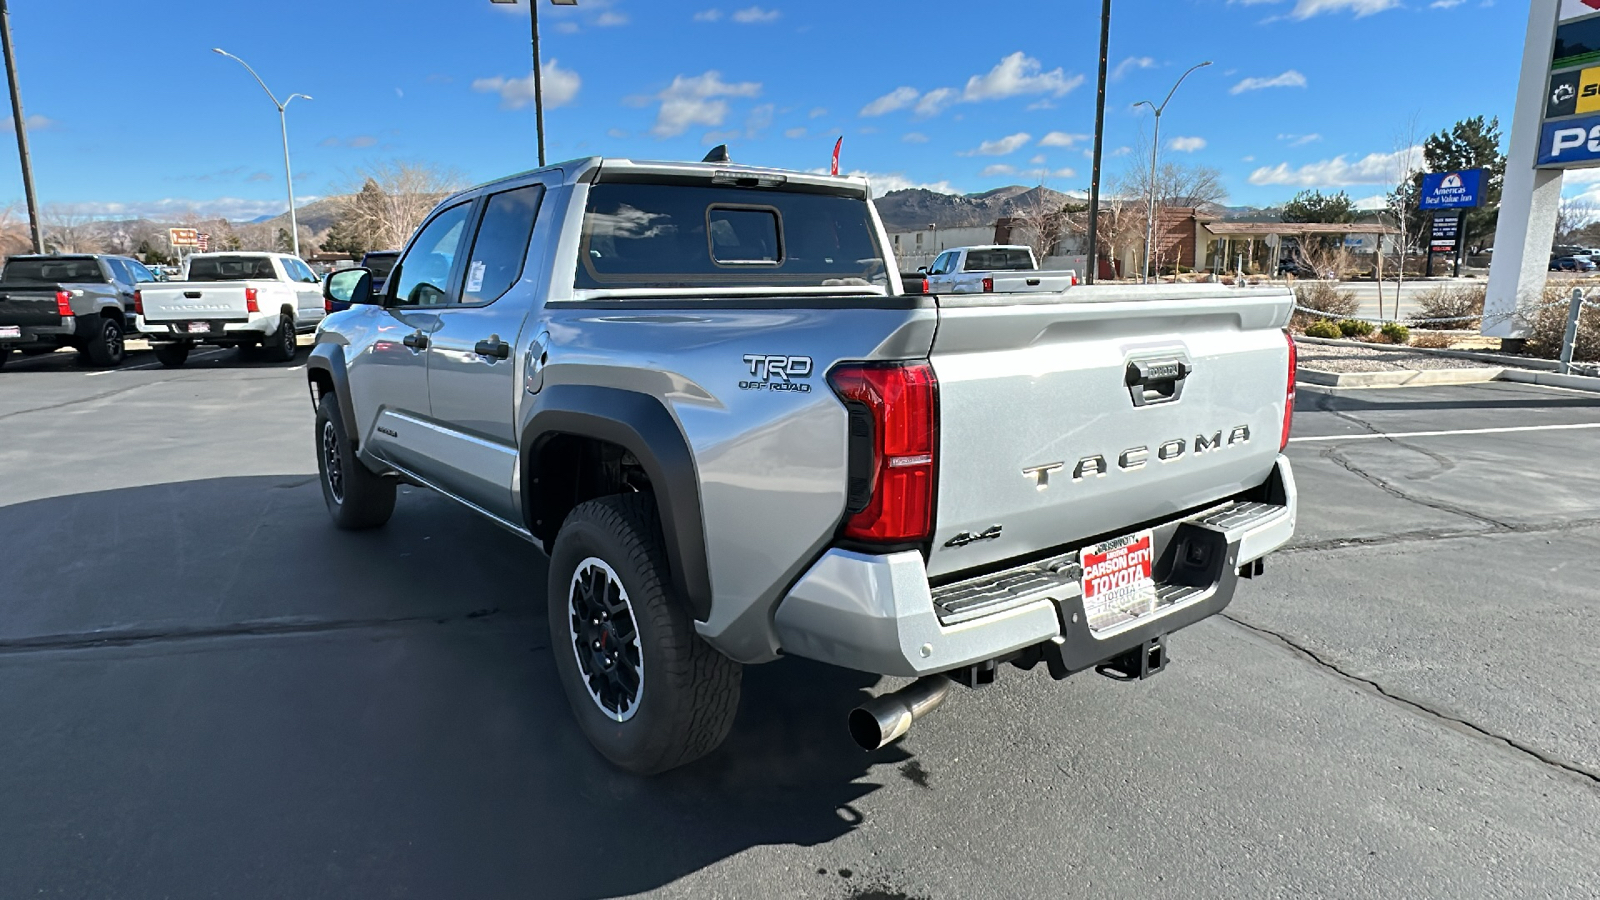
(700, 389)
(998, 269)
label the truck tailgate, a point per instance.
(195, 300)
(1042, 434)
(29, 305)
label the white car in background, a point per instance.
(240, 300)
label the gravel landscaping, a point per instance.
(1340, 360)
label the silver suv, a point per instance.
(701, 390)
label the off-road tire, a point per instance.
(281, 346)
(689, 692)
(357, 498)
(173, 354)
(105, 348)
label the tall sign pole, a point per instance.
(1099, 147)
(21, 122)
(1531, 197)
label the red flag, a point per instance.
(836, 145)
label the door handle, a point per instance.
(416, 341)
(493, 348)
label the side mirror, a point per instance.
(347, 287)
(922, 270)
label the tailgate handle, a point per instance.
(1033, 282)
(191, 295)
(1153, 381)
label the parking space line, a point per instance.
(1422, 434)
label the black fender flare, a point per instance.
(329, 360)
(640, 424)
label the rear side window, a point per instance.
(231, 268)
(678, 235)
(501, 246)
(1008, 260)
(65, 270)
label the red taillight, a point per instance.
(925, 287)
(138, 302)
(327, 305)
(63, 303)
(988, 285)
(250, 300)
(894, 415)
(1073, 282)
(1288, 403)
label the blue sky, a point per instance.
(131, 112)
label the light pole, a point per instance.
(22, 130)
(283, 123)
(538, 73)
(1155, 150)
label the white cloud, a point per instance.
(610, 19)
(35, 123)
(914, 137)
(1062, 139)
(617, 133)
(698, 101)
(755, 15)
(1300, 140)
(1445, 4)
(795, 133)
(1187, 144)
(818, 113)
(997, 169)
(1132, 62)
(1016, 75)
(897, 99)
(1008, 144)
(1122, 151)
(1305, 9)
(934, 101)
(883, 183)
(1039, 160)
(231, 208)
(1374, 168)
(708, 15)
(560, 87)
(1290, 78)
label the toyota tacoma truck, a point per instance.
(243, 300)
(83, 301)
(700, 389)
(994, 270)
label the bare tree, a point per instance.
(1176, 186)
(1045, 220)
(14, 235)
(1403, 169)
(68, 229)
(1573, 217)
(391, 200)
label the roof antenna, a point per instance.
(718, 154)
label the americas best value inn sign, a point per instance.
(1570, 135)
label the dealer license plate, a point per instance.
(199, 327)
(10, 331)
(1119, 580)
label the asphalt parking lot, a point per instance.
(208, 691)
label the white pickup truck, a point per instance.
(994, 270)
(243, 300)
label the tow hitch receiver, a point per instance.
(1137, 664)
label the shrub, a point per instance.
(1446, 301)
(1323, 297)
(1323, 328)
(1547, 327)
(1433, 341)
(1354, 328)
(1395, 333)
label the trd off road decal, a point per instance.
(777, 373)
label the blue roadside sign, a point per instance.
(1570, 142)
(1452, 190)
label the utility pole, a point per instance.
(1099, 147)
(22, 129)
(538, 66)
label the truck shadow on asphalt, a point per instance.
(235, 697)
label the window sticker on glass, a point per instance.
(475, 276)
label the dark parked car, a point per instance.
(1572, 264)
(83, 301)
(1297, 268)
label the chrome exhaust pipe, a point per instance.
(883, 720)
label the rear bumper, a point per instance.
(42, 335)
(222, 330)
(879, 614)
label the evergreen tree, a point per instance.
(1317, 207)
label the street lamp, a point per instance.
(1155, 149)
(538, 74)
(283, 122)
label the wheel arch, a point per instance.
(326, 374)
(641, 426)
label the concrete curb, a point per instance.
(1437, 377)
(1413, 378)
(1521, 362)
